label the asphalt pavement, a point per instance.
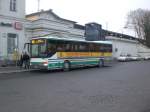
(124, 87)
(12, 69)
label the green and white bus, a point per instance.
(60, 53)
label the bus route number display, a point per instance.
(38, 41)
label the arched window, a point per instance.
(13, 5)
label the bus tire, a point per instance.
(66, 66)
(101, 63)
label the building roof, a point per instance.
(49, 11)
(77, 26)
(119, 35)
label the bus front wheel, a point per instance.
(66, 66)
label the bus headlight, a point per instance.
(45, 63)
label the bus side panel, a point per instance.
(55, 64)
(85, 58)
(84, 62)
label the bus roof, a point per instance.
(69, 39)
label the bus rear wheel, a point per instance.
(66, 66)
(101, 63)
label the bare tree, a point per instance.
(139, 20)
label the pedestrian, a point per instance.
(21, 60)
(26, 60)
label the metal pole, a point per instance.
(106, 25)
(38, 5)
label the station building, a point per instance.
(48, 23)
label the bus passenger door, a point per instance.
(27, 47)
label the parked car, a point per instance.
(136, 58)
(124, 58)
(140, 58)
(147, 58)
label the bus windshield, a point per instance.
(38, 50)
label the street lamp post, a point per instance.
(38, 5)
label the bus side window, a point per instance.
(96, 47)
(71, 46)
(83, 47)
(76, 46)
(48, 48)
(67, 47)
(51, 49)
(91, 47)
(102, 48)
(110, 48)
(60, 47)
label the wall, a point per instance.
(143, 50)
(4, 35)
(127, 46)
(5, 9)
(48, 23)
(11, 22)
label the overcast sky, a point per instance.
(111, 14)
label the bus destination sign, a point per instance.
(38, 41)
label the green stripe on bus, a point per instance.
(35, 63)
(84, 62)
(55, 65)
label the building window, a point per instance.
(12, 43)
(12, 5)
